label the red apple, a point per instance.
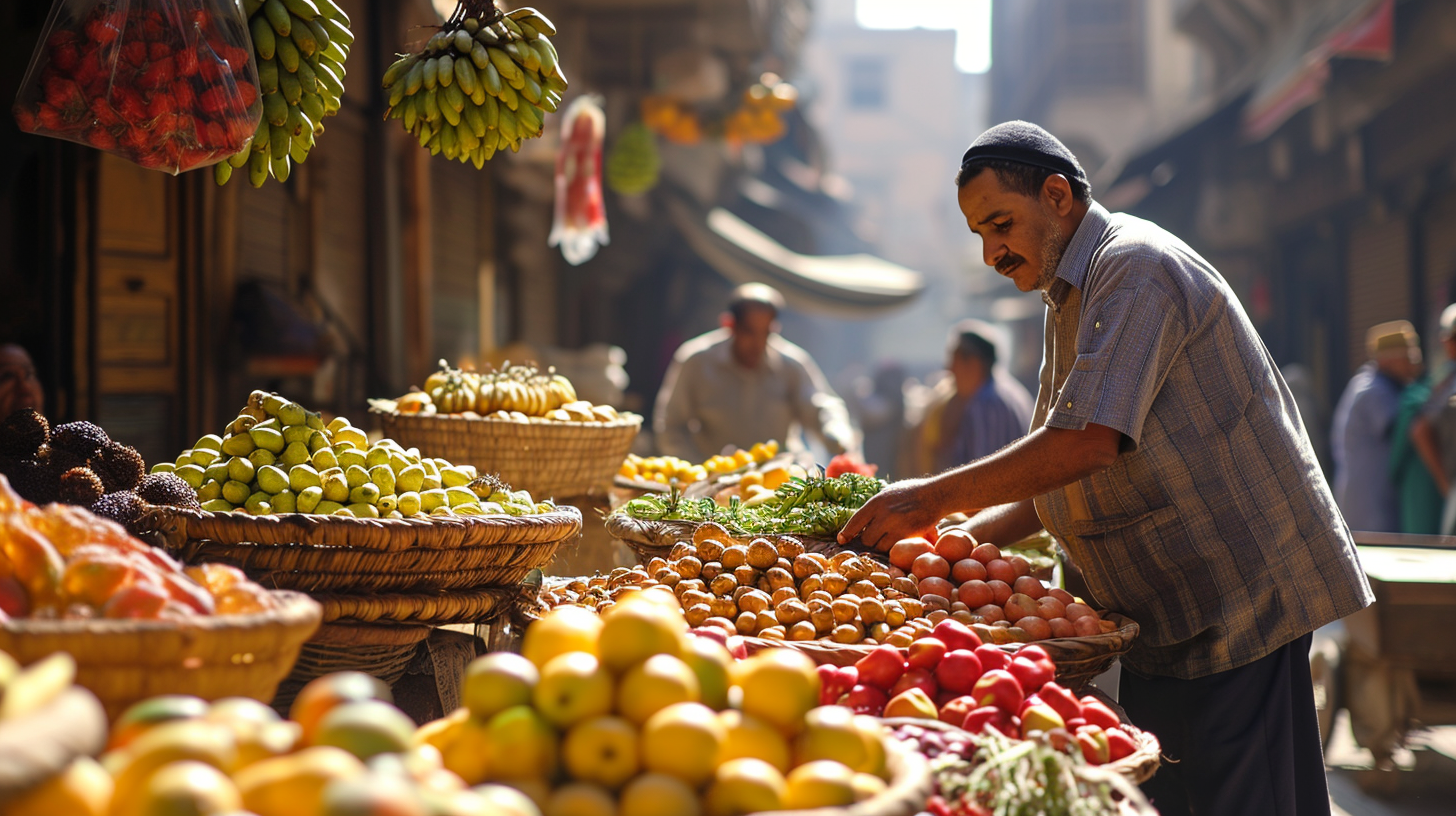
(1031, 673)
(935, 586)
(882, 667)
(1119, 744)
(863, 699)
(1000, 569)
(926, 652)
(1000, 591)
(1028, 585)
(955, 635)
(835, 682)
(1000, 688)
(986, 553)
(1061, 595)
(737, 647)
(994, 718)
(992, 657)
(912, 702)
(967, 569)
(1093, 742)
(713, 633)
(1095, 713)
(921, 679)
(975, 593)
(1019, 606)
(990, 613)
(954, 710)
(1040, 717)
(1059, 698)
(1019, 564)
(929, 565)
(958, 671)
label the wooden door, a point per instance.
(136, 365)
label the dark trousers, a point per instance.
(1244, 742)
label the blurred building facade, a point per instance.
(895, 114)
(154, 303)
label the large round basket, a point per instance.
(655, 539)
(341, 554)
(546, 457)
(37, 745)
(1078, 659)
(384, 651)
(910, 785)
(1137, 768)
(124, 661)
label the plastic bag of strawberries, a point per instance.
(168, 84)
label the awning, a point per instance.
(857, 285)
(1362, 29)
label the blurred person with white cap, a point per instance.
(743, 383)
(1433, 432)
(1364, 422)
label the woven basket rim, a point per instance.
(563, 514)
(1119, 639)
(634, 533)
(295, 609)
(624, 419)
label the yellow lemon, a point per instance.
(743, 786)
(750, 737)
(779, 687)
(563, 629)
(82, 789)
(683, 740)
(655, 794)
(823, 783)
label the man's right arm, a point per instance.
(673, 413)
(1423, 439)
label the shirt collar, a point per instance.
(772, 359)
(1072, 270)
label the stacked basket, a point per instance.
(381, 582)
(549, 458)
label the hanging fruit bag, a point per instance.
(168, 84)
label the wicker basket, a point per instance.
(1078, 659)
(481, 605)
(381, 650)
(338, 553)
(546, 457)
(1137, 768)
(36, 746)
(123, 661)
(655, 539)
(911, 784)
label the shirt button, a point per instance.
(1069, 403)
(1097, 325)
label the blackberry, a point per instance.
(168, 489)
(35, 481)
(23, 432)
(79, 486)
(122, 507)
(82, 439)
(119, 466)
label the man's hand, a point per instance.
(903, 509)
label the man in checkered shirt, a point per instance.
(1168, 458)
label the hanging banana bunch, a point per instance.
(300, 46)
(484, 82)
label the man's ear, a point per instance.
(1056, 191)
(726, 320)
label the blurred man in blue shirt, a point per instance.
(988, 410)
(1364, 421)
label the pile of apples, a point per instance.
(628, 712)
(995, 593)
(951, 676)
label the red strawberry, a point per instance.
(218, 101)
(65, 58)
(167, 125)
(214, 136)
(103, 113)
(213, 68)
(136, 139)
(63, 93)
(90, 72)
(101, 32)
(128, 104)
(152, 160)
(158, 74)
(61, 38)
(183, 92)
(158, 50)
(236, 57)
(153, 30)
(187, 64)
(26, 119)
(240, 131)
(247, 94)
(160, 104)
(100, 138)
(50, 119)
(134, 53)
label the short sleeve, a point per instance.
(1126, 340)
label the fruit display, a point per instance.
(988, 774)
(301, 46)
(483, 83)
(77, 463)
(768, 589)
(670, 470)
(812, 506)
(278, 457)
(758, 118)
(634, 164)
(167, 84)
(991, 590)
(676, 121)
(60, 561)
(626, 712)
(343, 749)
(520, 393)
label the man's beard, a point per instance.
(1053, 246)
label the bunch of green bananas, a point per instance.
(483, 83)
(301, 46)
(634, 164)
